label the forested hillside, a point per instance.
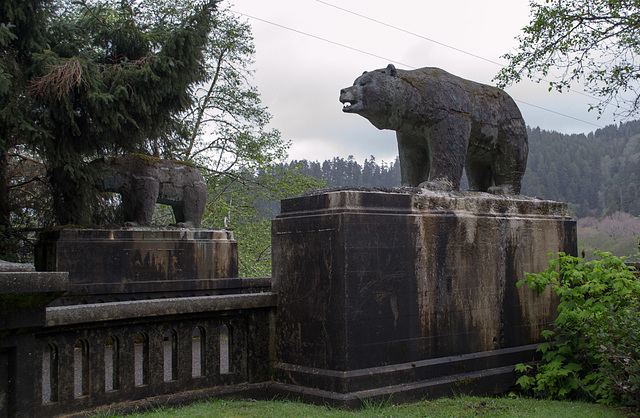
(598, 173)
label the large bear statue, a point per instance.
(443, 124)
(142, 181)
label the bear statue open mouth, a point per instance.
(348, 105)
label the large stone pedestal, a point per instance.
(381, 290)
(141, 263)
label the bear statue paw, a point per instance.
(182, 225)
(440, 185)
(503, 190)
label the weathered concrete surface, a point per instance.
(139, 332)
(137, 254)
(24, 295)
(9, 266)
(143, 180)
(83, 314)
(369, 279)
(149, 262)
(444, 123)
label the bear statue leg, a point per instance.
(146, 194)
(507, 181)
(196, 206)
(448, 140)
(509, 165)
(415, 161)
(195, 200)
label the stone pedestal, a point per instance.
(140, 263)
(378, 288)
(24, 295)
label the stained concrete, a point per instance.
(109, 265)
(82, 314)
(9, 266)
(370, 278)
(24, 295)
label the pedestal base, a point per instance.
(370, 279)
(140, 263)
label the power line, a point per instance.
(397, 62)
(411, 33)
(582, 93)
(324, 39)
(558, 113)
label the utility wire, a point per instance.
(411, 33)
(440, 43)
(400, 63)
(558, 113)
(324, 39)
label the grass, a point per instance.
(462, 406)
(617, 245)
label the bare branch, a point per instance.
(60, 79)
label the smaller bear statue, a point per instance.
(143, 180)
(443, 124)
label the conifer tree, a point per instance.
(91, 78)
(21, 23)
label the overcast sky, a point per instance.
(300, 76)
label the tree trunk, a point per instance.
(6, 252)
(5, 219)
(70, 199)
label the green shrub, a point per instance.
(594, 349)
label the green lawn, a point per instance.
(457, 407)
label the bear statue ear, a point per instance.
(391, 70)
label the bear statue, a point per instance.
(443, 124)
(143, 180)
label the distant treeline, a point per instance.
(598, 173)
(341, 172)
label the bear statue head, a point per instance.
(107, 177)
(372, 96)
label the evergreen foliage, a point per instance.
(597, 173)
(97, 78)
(341, 172)
(21, 31)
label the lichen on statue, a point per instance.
(443, 124)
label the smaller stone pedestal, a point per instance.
(407, 292)
(24, 295)
(140, 263)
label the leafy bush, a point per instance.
(593, 350)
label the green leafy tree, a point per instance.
(248, 206)
(594, 42)
(225, 130)
(225, 133)
(594, 348)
